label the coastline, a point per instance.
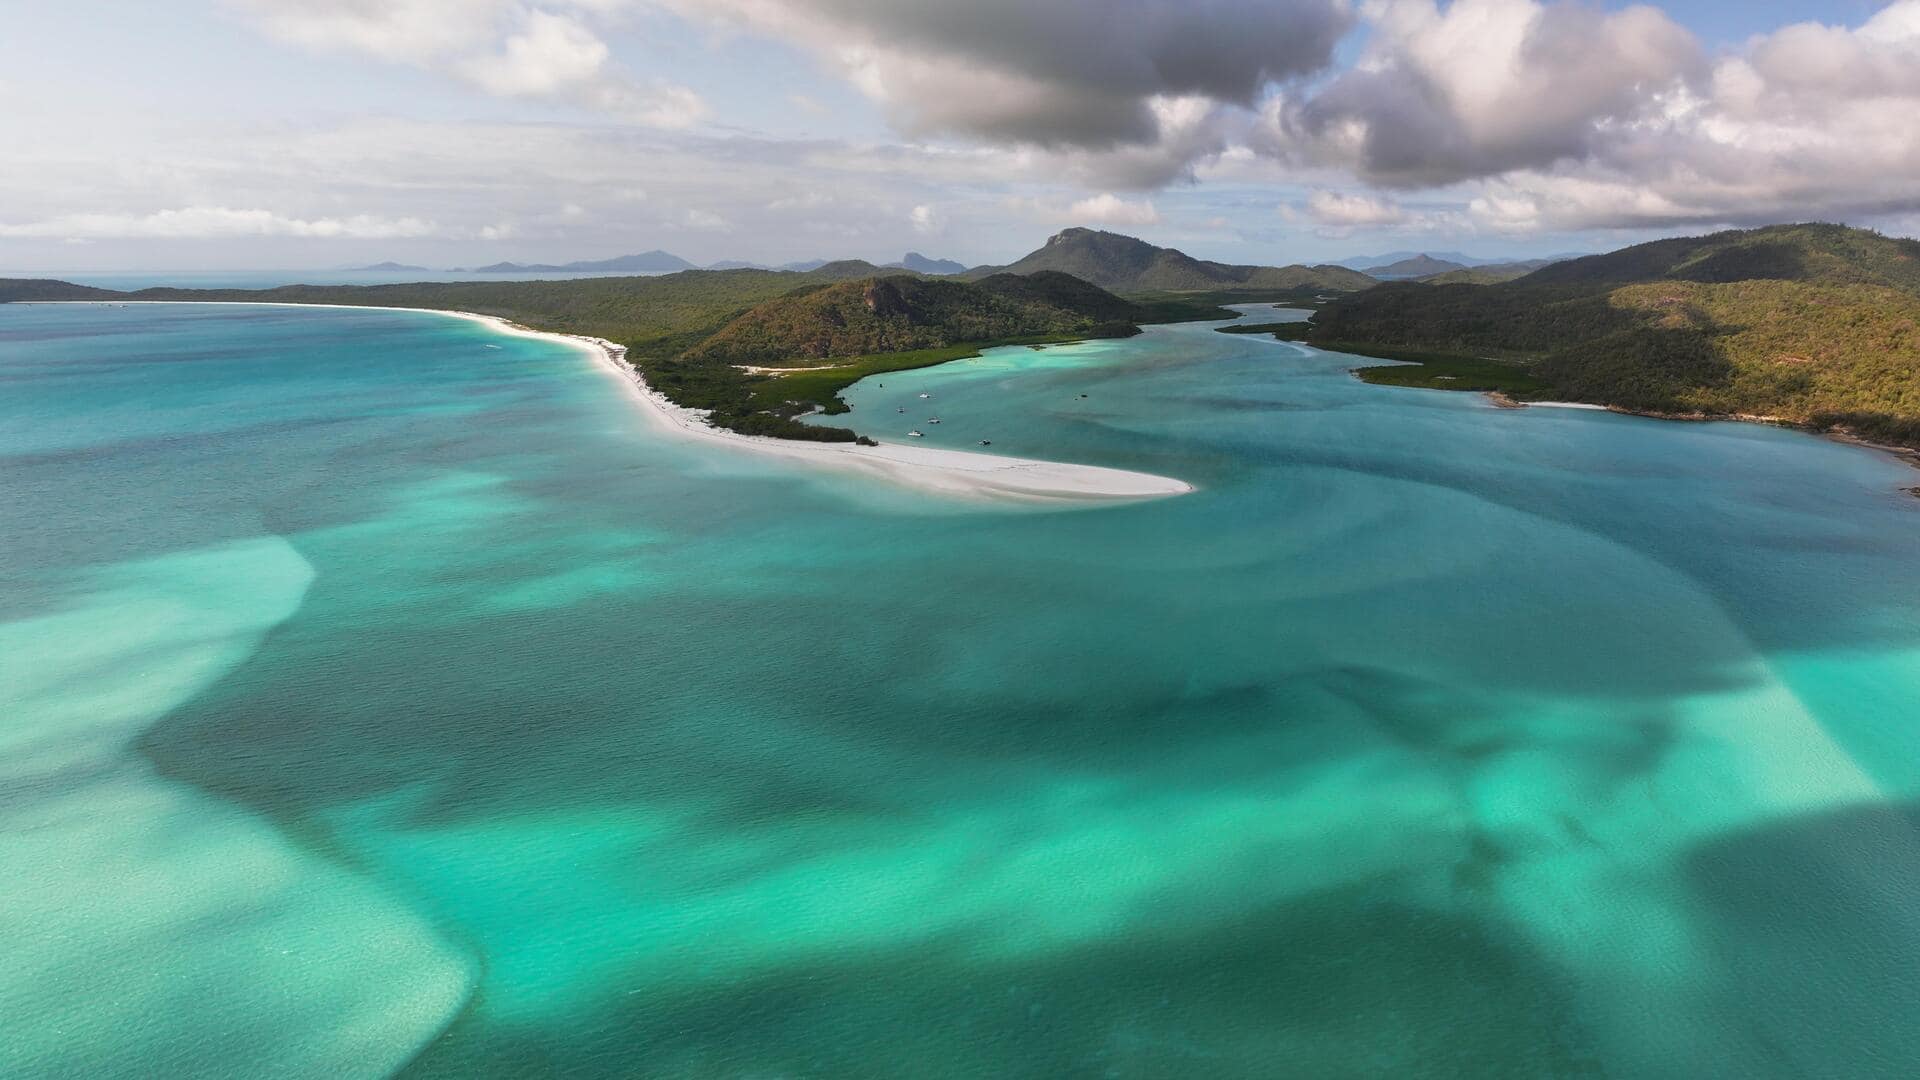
(1500, 399)
(957, 473)
(1840, 435)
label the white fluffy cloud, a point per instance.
(398, 31)
(1110, 209)
(1565, 117)
(1512, 116)
(547, 56)
(1809, 121)
(508, 48)
(1480, 88)
(1337, 208)
(216, 222)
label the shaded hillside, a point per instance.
(902, 313)
(1811, 324)
(1814, 254)
(1126, 265)
(1067, 292)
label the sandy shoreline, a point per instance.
(948, 472)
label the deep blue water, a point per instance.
(382, 694)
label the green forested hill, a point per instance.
(1814, 254)
(1127, 265)
(902, 313)
(1810, 324)
(27, 289)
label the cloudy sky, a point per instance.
(312, 133)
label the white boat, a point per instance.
(933, 419)
(916, 435)
(926, 395)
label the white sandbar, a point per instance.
(949, 472)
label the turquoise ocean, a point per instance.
(381, 695)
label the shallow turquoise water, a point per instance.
(382, 695)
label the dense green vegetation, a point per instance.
(870, 316)
(1483, 275)
(1440, 371)
(1281, 331)
(28, 289)
(1126, 265)
(1816, 325)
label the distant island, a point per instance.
(389, 268)
(1811, 325)
(920, 264)
(912, 260)
(661, 262)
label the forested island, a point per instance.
(1812, 325)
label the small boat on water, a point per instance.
(986, 442)
(926, 395)
(916, 435)
(933, 419)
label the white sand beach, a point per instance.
(949, 472)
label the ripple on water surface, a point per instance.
(1424, 739)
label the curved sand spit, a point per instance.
(952, 472)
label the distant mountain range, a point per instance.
(920, 264)
(1124, 264)
(663, 262)
(1452, 268)
(912, 260)
(1386, 267)
(653, 262)
(1371, 263)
